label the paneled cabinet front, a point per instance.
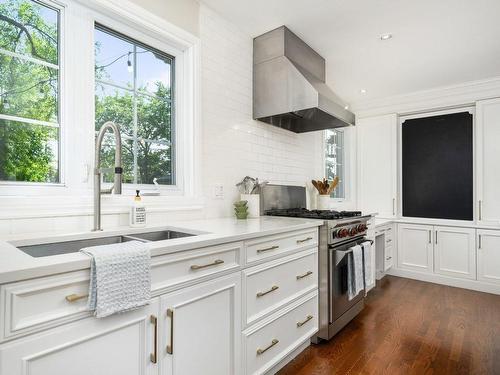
(487, 161)
(125, 344)
(488, 256)
(377, 167)
(201, 329)
(415, 247)
(455, 252)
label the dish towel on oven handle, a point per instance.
(369, 271)
(120, 277)
(355, 274)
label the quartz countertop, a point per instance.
(15, 265)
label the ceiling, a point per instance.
(435, 42)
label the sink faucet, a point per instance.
(117, 186)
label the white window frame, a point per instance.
(77, 110)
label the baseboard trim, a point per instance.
(445, 280)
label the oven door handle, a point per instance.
(340, 254)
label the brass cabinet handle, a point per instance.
(215, 263)
(300, 324)
(389, 240)
(304, 240)
(154, 356)
(430, 241)
(274, 287)
(388, 258)
(170, 347)
(262, 351)
(76, 297)
(268, 249)
(308, 273)
(436, 239)
(480, 210)
(480, 242)
(394, 206)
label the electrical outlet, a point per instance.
(218, 192)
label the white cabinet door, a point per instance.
(415, 247)
(455, 252)
(120, 344)
(488, 256)
(488, 160)
(377, 164)
(201, 327)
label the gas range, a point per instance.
(342, 225)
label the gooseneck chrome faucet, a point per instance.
(117, 186)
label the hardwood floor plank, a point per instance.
(412, 327)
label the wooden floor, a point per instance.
(412, 327)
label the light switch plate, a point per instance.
(218, 191)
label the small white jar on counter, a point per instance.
(137, 212)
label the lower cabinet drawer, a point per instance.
(268, 342)
(37, 304)
(270, 286)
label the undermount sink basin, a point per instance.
(65, 247)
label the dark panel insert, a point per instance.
(437, 166)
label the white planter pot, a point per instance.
(253, 204)
(324, 202)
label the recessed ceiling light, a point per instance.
(362, 91)
(346, 107)
(385, 36)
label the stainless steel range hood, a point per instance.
(289, 89)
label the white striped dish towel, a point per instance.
(120, 277)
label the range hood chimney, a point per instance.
(289, 89)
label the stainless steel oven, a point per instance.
(340, 303)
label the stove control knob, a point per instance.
(342, 233)
(353, 231)
(361, 228)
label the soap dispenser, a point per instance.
(138, 212)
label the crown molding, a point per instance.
(466, 93)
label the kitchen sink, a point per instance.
(65, 247)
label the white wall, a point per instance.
(234, 145)
(182, 13)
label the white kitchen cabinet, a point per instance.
(121, 344)
(487, 161)
(488, 256)
(455, 252)
(415, 247)
(201, 328)
(377, 164)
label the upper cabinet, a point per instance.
(488, 161)
(377, 165)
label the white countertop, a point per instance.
(16, 265)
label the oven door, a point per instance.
(339, 301)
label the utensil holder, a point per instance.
(324, 202)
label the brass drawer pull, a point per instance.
(304, 240)
(300, 324)
(308, 273)
(388, 258)
(268, 249)
(170, 347)
(76, 297)
(389, 240)
(215, 263)
(262, 351)
(154, 356)
(275, 287)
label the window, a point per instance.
(335, 160)
(29, 92)
(134, 89)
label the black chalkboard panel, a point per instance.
(437, 166)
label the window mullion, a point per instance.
(135, 145)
